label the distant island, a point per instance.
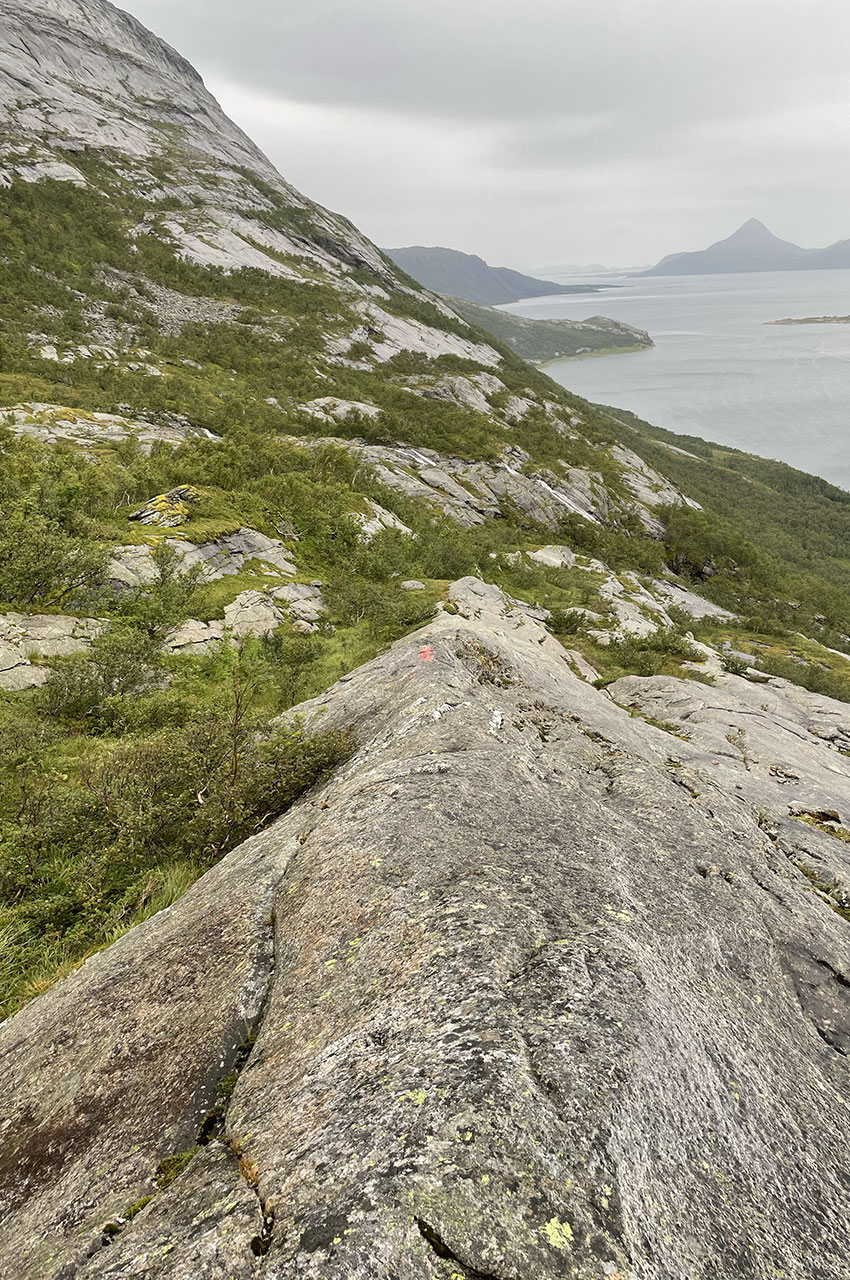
(543, 340)
(465, 275)
(812, 320)
(752, 248)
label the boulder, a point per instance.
(553, 557)
(413, 584)
(332, 409)
(51, 423)
(133, 566)
(303, 602)
(17, 673)
(168, 509)
(196, 637)
(253, 613)
(376, 520)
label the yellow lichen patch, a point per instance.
(418, 1096)
(168, 509)
(558, 1233)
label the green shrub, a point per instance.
(91, 842)
(566, 622)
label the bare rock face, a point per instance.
(194, 637)
(51, 423)
(553, 557)
(538, 992)
(25, 636)
(304, 604)
(134, 566)
(78, 74)
(376, 520)
(649, 488)
(252, 613)
(472, 492)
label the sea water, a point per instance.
(719, 369)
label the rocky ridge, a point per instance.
(548, 979)
(458, 1068)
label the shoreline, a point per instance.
(592, 355)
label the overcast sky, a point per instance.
(540, 132)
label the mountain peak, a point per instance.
(753, 224)
(753, 247)
(754, 232)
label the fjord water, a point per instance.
(718, 369)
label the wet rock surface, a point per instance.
(550, 996)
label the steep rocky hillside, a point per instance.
(423, 794)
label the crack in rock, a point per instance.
(442, 1250)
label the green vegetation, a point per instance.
(68, 273)
(544, 340)
(132, 770)
(113, 803)
(172, 1167)
(790, 530)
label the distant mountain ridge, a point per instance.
(752, 248)
(465, 275)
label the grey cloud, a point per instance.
(503, 60)
(657, 106)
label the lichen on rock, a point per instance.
(545, 1002)
(168, 509)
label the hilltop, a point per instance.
(753, 248)
(423, 794)
(465, 275)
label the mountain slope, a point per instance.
(423, 841)
(543, 340)
(834, 256)
(456, 1066)
(465, 275)
(751, 248)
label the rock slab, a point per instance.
(549, 997)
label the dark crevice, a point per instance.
(247, 1168)
(261, 1243)
(442, 1250)
(211, 1128)
(828, 1039)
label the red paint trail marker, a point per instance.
(426, 653)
